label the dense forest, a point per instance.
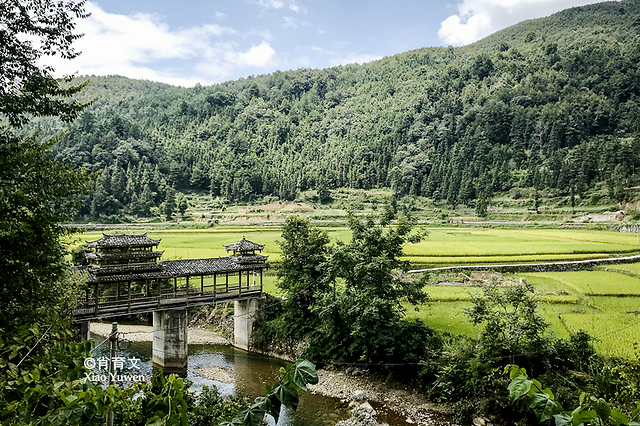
(549, 106)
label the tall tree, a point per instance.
(29, 31)
(36, 193)
(364, 320)
(302, 274)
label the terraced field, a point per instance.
(442, 246)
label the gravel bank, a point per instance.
(144, 333)
(213, 372)
(409, 404)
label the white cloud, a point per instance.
(289, 22)
(258, 56)
(141, 46)
(478, 18)
(355, 58)
(277, 4)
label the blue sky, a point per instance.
(208, 42)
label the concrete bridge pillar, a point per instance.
(170, 339)
(245, 314)
(83, 330)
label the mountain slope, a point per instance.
(551, 104)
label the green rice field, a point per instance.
(442, 246)
(604, 302)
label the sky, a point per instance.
(207, 42)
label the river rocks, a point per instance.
(404, 403)
(364, 415)
(144, 333)
(359, 396)
(213, 372)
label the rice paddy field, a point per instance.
(441, 246)
(604, 302)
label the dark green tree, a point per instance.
(510, 317)
(181, 203)
(324, 195)
(302, 274)
(37, 193)
(168, 206)
(30, 31)
(363, 320)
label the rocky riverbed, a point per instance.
(213, 372)
(353, 389)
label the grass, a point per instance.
(593, 283)
(487, 242)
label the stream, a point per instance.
(250, 371)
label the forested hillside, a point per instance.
(551, 104)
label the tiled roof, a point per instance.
(244, 245)
(144, 254)
(181, 268)
(125, 269)
(112, 241)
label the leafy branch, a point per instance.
(285, 392)
(592, 411)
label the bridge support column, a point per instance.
(170, 339)
(83, 330)
(245, 314)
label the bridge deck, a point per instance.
(106, 300)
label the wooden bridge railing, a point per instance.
(107, 299)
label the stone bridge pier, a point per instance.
(170, 333)
(170, 348)
(170, 342)
(246, 312)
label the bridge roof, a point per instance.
(177, 268)
(126, 255)
(244, 245)
(184, 267)
(120, 240)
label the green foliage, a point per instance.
(164, 402)
(43, 379)
(36, 192)
(32, 30)
(36, 195)
(43, 382)
(79, 255)
(361, 321)
(283, 393)
(510, 317)
(302, 274)
(590, 411)
(210, 408)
